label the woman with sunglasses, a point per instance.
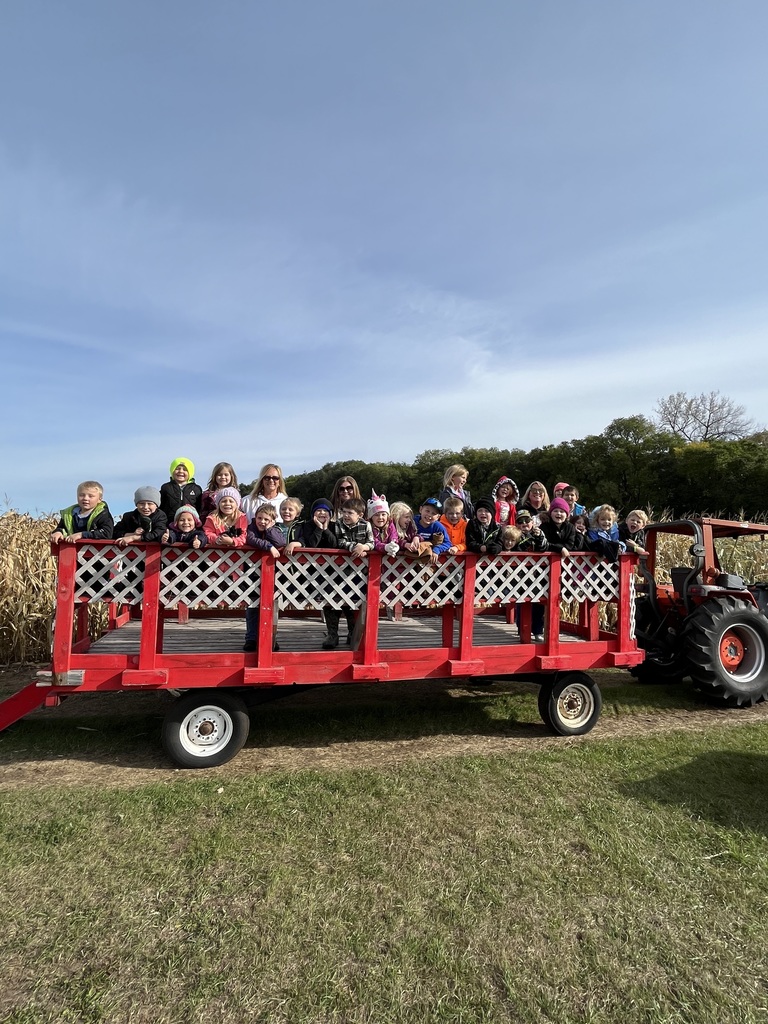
(344, 488)
(269, 489)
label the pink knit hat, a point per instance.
(376, 503)
(560, 503)
(561, 486)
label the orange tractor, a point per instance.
(707, 622)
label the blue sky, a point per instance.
(305, 232)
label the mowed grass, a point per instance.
(611, 881)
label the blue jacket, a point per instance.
(434, 534)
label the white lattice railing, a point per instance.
(216, 578)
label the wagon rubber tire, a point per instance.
(726, 643)
(205, 728)
(570, 704)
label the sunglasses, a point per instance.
(276, 478)
(346, 487)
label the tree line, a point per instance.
(633, 463)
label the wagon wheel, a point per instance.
(726, 643)
(205, 728)
(570, 704)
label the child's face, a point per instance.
(185, 522)
(405, 521)
(569, 495)
(508, 544)
(379, 520)
(580, 526)
(526, 525)
(262, 519)
(322, 517)
(350, 516)
(88, 500)
(288, 511)
(223, 478)
(605, 520)
(428, 514)
(634, 523)
(146, 508)
(505, 492)
(558, 516)
(458, 481)
(484, 517)
(453, 515)
(227, 506)
(181, 474)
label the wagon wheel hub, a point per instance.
(732, 651)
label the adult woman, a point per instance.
(535, 499)
(269, 489)
(454, 486)
(344, 488)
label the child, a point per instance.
(227, 526)
(181, 489)
(265, 536)
(531, 537)
(223, 475)
(561, 535)
(571, 495)
(429, 531)
(483, 535)
(603, 534)
(290, 510)
(455, 486)
(505, 496)
(147, 524)
(186, 529)
(383, 529)
(407, 537)
(315, 532)
(353, 534)
(632, 531)
(455, 525)
(89, 519)
(510, 538)
(558, 489)
(580, 524)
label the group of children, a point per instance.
(181, 512)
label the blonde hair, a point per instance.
(597, 512)
(257, 486)
(91, 485)
(212, 485)
(513, 533)
(294, 503)
(537, 484)
(453, 471)
(641, 515)
(456, 503)
(396, 511)
(269, 509)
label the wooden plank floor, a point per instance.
(200, 636)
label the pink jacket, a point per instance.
(214, 528)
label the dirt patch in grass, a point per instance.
(333, 729)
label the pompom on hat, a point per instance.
(184, 462)
(146, 494)
(228, 492)
(376, 503)
(191, 510)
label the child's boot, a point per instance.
(331, 641)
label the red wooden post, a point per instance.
(373, 595)
(151, 624)
(267, 565)
(552, 636)
(65, 608)
(467, 608)
(626, 565)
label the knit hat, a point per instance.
(146, 494)
(191, 510)
(184, 462)
(376, 503)
(522, 514)
(561, 504)
(227, 492)
(321, 503)
(487, 504)
(561, 486)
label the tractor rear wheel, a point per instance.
(726, 644)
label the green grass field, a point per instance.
(614, 880)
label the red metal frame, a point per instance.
(78, 666)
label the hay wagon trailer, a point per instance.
(174, 622)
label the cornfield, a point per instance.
(28, 581)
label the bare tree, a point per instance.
(712, 417)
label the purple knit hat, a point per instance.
(227, 492)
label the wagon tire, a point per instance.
(570, 704)
(205, 728)
(726, 644)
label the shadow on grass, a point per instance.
(112, 732)
(722, 786)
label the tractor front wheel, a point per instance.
(726, 642)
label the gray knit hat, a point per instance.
(146, 494)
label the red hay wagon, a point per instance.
(175, 622)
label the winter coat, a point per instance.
(563, 536)
(172, 497)
(214, 528)
(97, 524)
(479, 536)
(154, 526)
